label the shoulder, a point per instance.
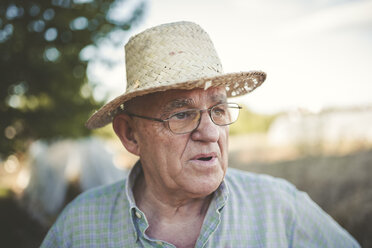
(94, 203)
(269, 196)
(253, 178)
(275, 198)
(98, 194)
(252, 183)
(80, 217)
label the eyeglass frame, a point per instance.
(201, 111)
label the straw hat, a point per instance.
(173, 56)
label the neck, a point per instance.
(169, 206)
(172, 217)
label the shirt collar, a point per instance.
(132, 176)
(220, 197)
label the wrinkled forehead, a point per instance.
(193, 99)
(179, 98)
(173, 99)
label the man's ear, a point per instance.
(123, 127)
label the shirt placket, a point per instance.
(141, 223)
(213, 217)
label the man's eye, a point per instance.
(181, 115)
(184, 115)
(219, 111)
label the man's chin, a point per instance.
(205, 186)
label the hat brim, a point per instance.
(236, 84)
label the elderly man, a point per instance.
(175, 116)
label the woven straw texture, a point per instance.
(177, 55)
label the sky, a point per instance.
(317, 54)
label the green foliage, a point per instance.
(250, 122)
(44, 91)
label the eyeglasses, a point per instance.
(187, 121)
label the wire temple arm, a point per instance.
(144, 117)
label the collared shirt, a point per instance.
(247, 210)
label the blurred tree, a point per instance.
(44, 90)
(250, 122)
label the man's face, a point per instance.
(194, 163)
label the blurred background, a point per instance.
(310, 122)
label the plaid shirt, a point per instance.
(247, 210)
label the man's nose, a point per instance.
(207, 131)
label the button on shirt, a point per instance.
(247, 210)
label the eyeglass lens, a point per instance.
(186, 121)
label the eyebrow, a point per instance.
(178, 103)
(219, 98)
(187, 102)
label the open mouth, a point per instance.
(205, 158)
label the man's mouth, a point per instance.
(205, 158)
